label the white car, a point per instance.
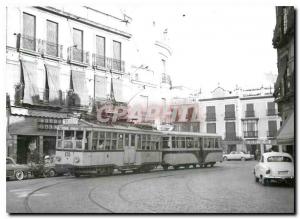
(274, 166)
(238, 155)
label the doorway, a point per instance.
(23, 151)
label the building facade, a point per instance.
(64, 62)
(284, 42)
(247, 120)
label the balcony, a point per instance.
(251, 134)
(78, 56)
(229, 116)
(51, 50)
(271, 134)
(271, 112)
(27, 44)
(210, 117)
(230, 136)
(249, 113)
(103, 62)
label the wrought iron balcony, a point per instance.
(210, 117)
(78, 56)
(229, 116)
(231, 136)
(50, 49)
(249, 113)
(28, 44)
(100, 61)
(251, 134)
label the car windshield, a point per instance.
(279, 159)
(9, 161)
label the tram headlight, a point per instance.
(58, 159)
(76, 159)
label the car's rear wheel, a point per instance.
(263, 181)
(225, 158)
(19, 175)
(243, 159)
(52, 173)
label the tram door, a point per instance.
(129, 149)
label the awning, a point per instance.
(52, 73)
(37, 113)
(31, 92)
(285, 134)
(80, 88)
(100, 87)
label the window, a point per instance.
(100, 51)
(29, 41)
(69, 135)
(114, 139)
(78, 45)
(271, 109)
(210, 113)
(108, 140)
(272, 128)
(229, 111)
(211, 127)
(250, 128)
(52, 38)
(79, 135)
(208, 143)
(120, 141)
(249, 110)
(139, 141)
(230, 130)
(279, 159)
(132, 140)
(116, 55)
(101, 141)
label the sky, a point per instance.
(226, 44)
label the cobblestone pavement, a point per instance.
(229, 187)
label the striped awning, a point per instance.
(52, 73)
(31, 92)
(80, 88)
(37, 113)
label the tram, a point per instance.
(92, 149)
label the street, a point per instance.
(228, 187)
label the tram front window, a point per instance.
(69, 135)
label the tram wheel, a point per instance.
(194, 165)
(123, 171)
(165, 167)
(176, 167)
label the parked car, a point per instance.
(274, 166)
(17, 171)
(238, 155)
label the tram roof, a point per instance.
(82, 124)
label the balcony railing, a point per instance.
(251, 134)
(52, 49)
(27, 43)
(272, 134)
(271, 112)
(249, 113)
(229, 115)
(210, 117)
(230, 136)
(108, 63)
(78, 56)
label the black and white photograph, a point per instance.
(149, 107)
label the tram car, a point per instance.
(185, 149)
(91, 149)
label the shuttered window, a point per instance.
(116, 55)
(250, 110)
(272, 125)
(210, 113)
(52, 38)
(211, 127)
(230, 130)
(78, 45)
(28, 32)
(229, 111)
(100, 51)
